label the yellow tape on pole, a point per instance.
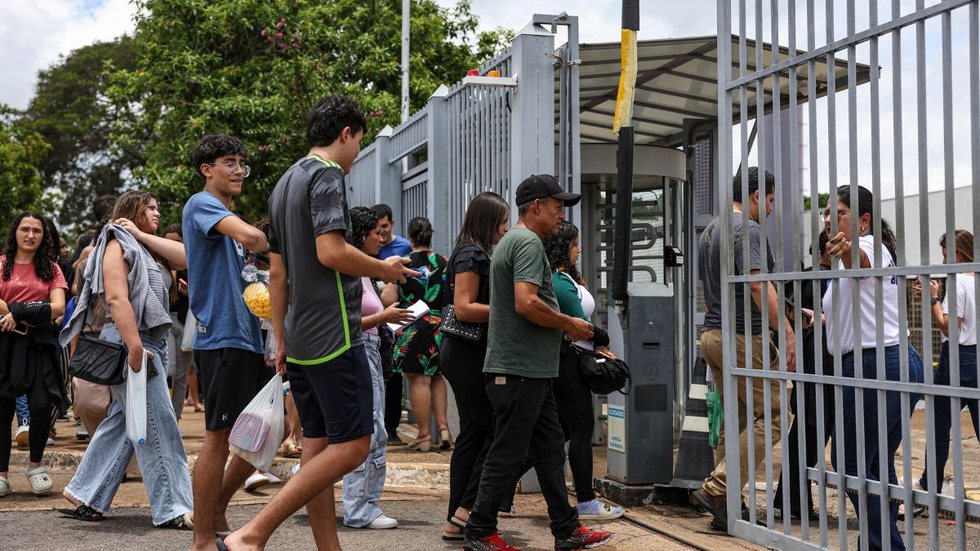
(627, 81)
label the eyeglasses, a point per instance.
(232, 165)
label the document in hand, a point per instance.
(417, 310)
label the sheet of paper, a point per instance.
(417, 310)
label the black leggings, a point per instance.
(575, 412)
(39, 402)
(462, 366)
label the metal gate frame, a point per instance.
(736, 87)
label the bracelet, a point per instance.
(933, 300)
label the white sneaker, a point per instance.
(260, 479)
(23, 436)
(383, 523)
(295, 469)
(598, 510)
(81, 433)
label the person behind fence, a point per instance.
(318, 326)
(571, 392)
(416, 351)
(760, 188)
(966, 313)
(124, 271)
(363, 485)
(807, 420)
(846, 340)
(32, 296)
(468, 291)
(521, 366)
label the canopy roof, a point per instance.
(677, 80)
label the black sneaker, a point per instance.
(716, 505)
(582, 538)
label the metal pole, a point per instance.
(406, 26)
(624, 157)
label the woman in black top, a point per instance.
(468, 289)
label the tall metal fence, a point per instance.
(469, 138)
(914, 128)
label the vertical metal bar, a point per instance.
(952, 291)
(727, 298)
(923, 173)
(835, 283)
(884, 458)
(770, 442)
(816, 225)
(861, 451)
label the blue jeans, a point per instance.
(162, 460)
(363, 485)
(968, 378)
(23, 411)
(892, 424)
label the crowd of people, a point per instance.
(853, 315)
(354, 310)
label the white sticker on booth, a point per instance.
(617, 428)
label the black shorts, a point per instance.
(334, 398)
(229, 379)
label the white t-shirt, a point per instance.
(966, 308)
(872, 313)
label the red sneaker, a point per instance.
(493, 542)
(582, 538)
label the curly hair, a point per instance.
(420, 231)
(329, 117)
(213, 146)
(44, 257)
(557, 247)
(362, 222)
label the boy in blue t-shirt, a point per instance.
(228, 348)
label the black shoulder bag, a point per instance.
(601, 374)
(95, 360)
(450, 324)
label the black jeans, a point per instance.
(526, 424)
(462, 365)
(393, 403)
(39, 403)
(575, 412)
(808, 424)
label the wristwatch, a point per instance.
(933, 300)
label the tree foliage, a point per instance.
(21, 151)
(72, 113)
(253, 68)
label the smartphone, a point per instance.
(21, 328)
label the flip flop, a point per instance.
(452, 536)
(83, 513)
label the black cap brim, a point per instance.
(570, 199)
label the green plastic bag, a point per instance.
(715, 417)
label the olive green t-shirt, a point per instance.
(515, 346)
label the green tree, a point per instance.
(822, 199)
(72, 113)
(21, 151)
(253, 68)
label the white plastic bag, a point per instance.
(136, 404)
(190, 330)
(257, 432)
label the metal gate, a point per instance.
(913, 129)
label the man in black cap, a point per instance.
(521, 365)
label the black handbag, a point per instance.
(601, 374)
(98, 361)
(451, 326)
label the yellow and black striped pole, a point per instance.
(623, 126)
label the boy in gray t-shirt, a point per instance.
(315, 290)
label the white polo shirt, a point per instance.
(872, 314)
